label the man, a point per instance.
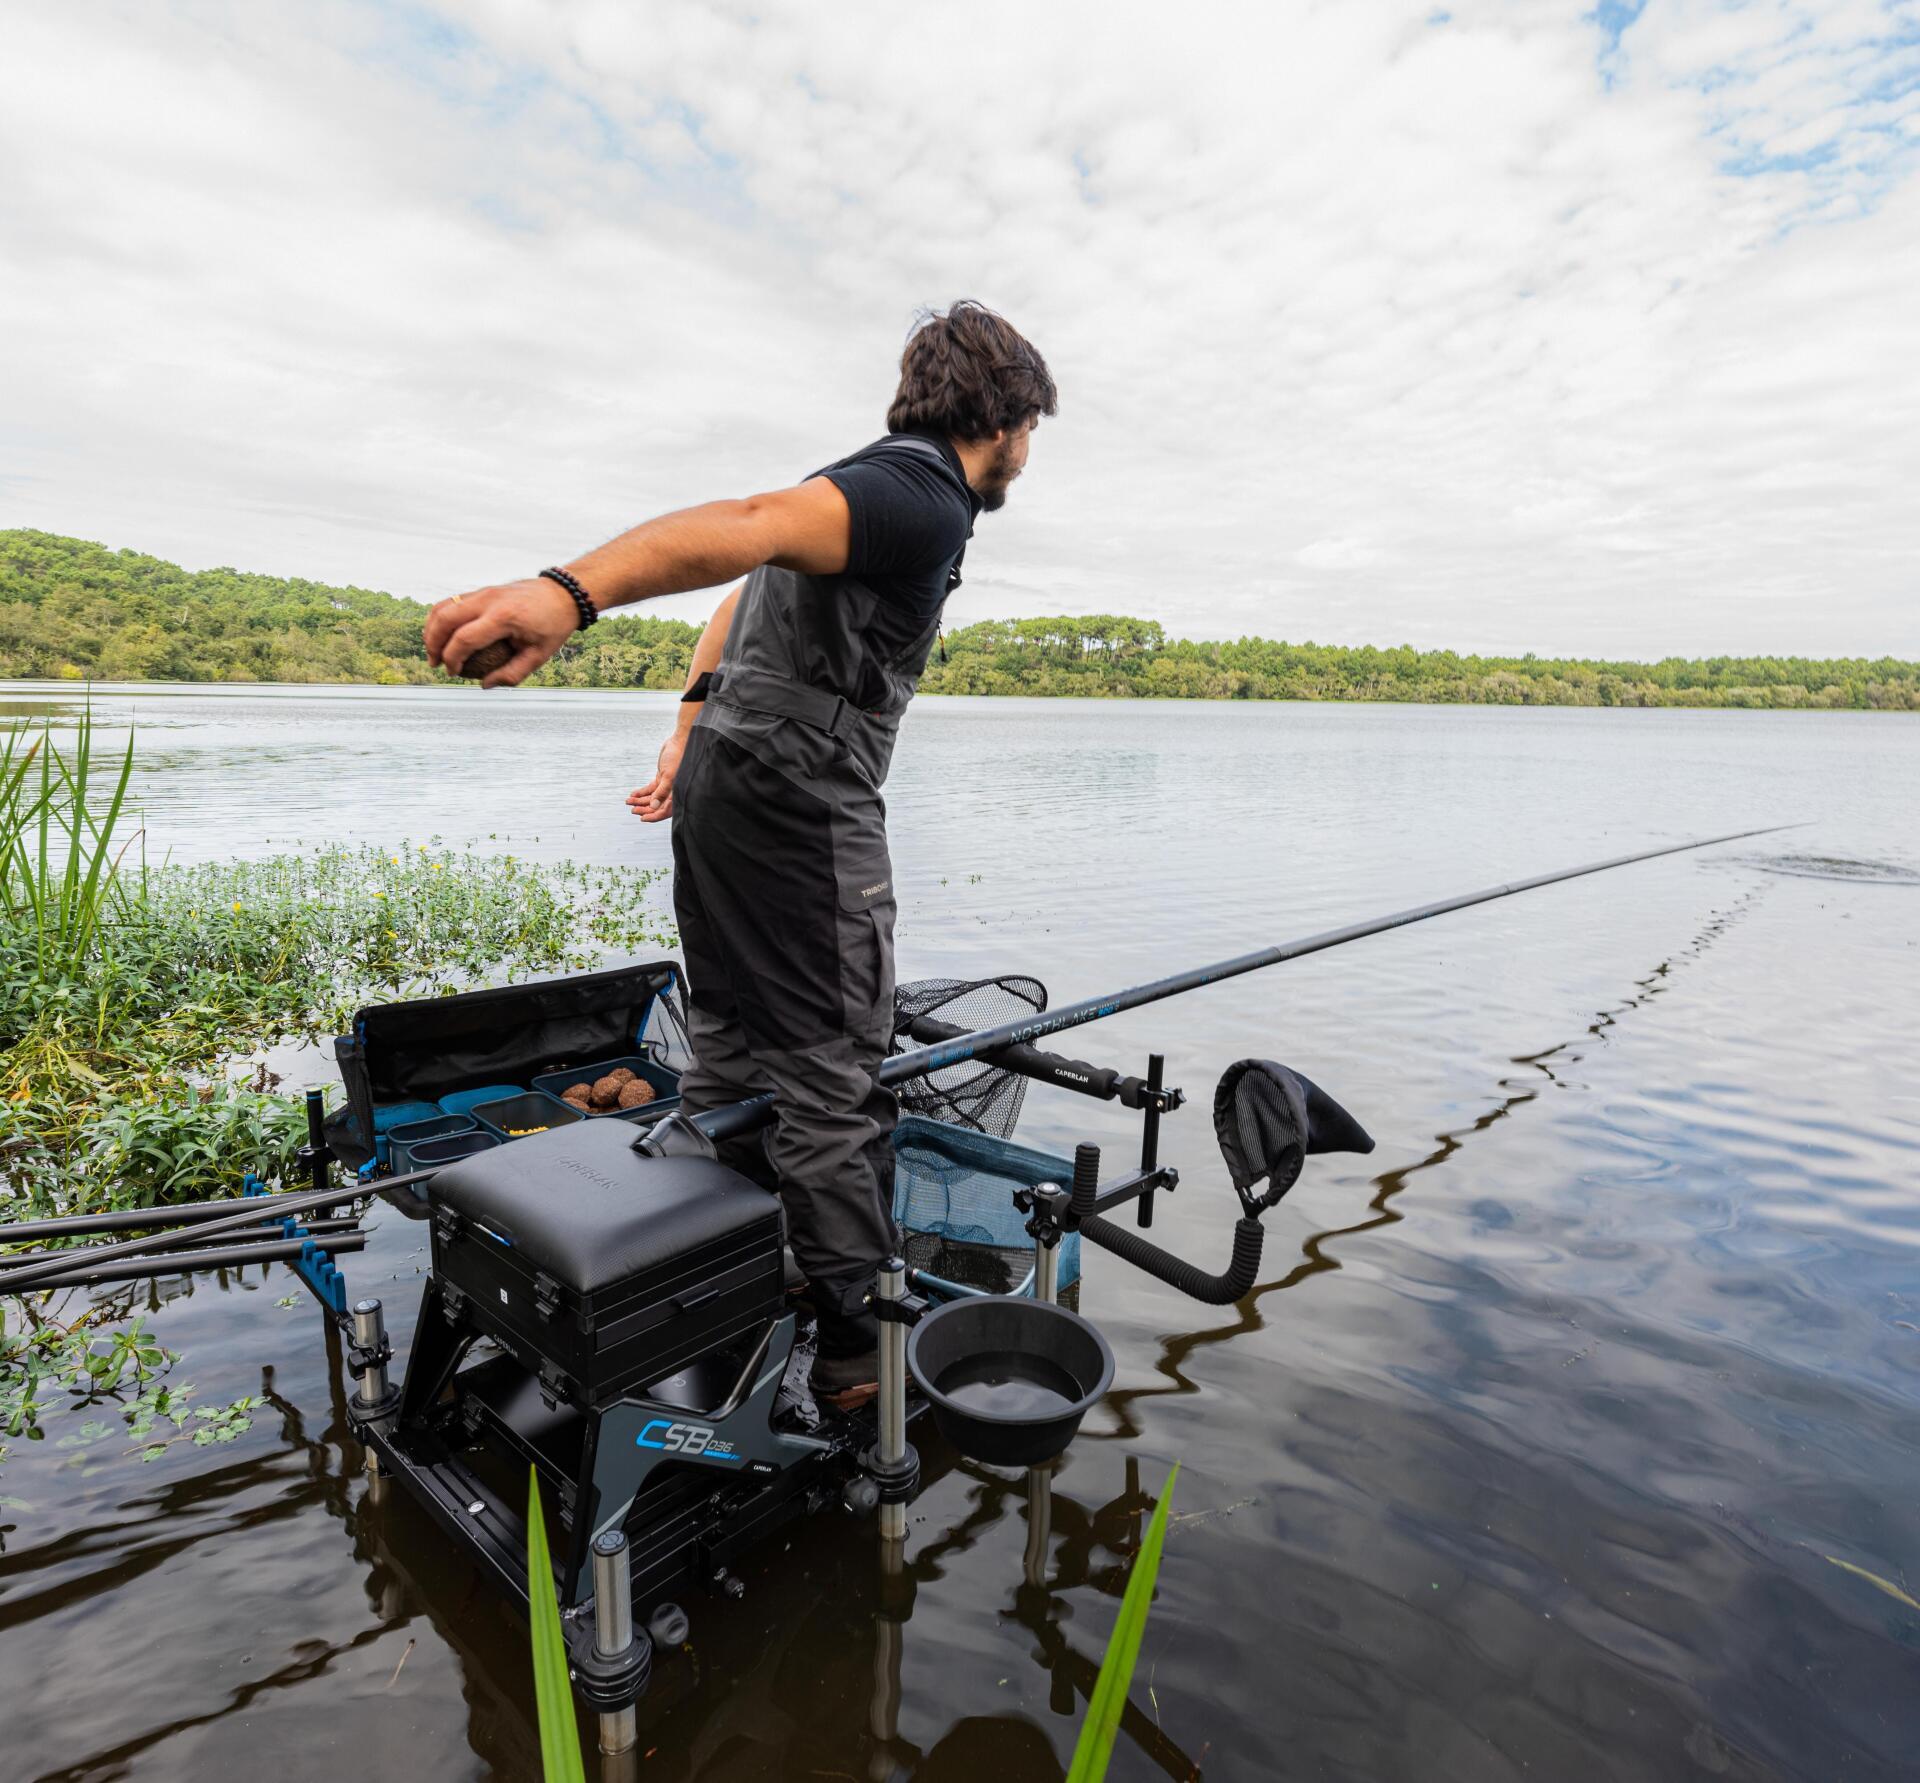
(783, 888)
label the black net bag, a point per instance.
(971, 1093)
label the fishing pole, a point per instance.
(260, 1210)
(745, 1116)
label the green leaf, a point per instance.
(1094, 1751)
(559, 1735)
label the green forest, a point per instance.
(75, 611)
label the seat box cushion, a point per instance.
(579, 1204)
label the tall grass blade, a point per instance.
(559, 1734)
(59, 869)
(1095, 1748)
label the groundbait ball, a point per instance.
(579, 1094)
(620, 1075)
(636, 1092)
(606, 1091)
(487, 658)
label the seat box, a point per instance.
(603, 1270)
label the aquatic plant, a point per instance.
(1094, 1750)
(59, 868)
(134, 1003)
(53, 1368)
(553, 1694)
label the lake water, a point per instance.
(1571, 1434)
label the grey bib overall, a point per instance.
(783, 891)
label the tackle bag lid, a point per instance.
(432, 1045)
(580, 1203)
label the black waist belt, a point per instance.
(760, 690)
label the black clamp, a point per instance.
(556, 1388)
(1138, 1092)
(1049, 1211)
(897, 1481)
(908, 1310)
(361, 1357)
(609, 1682)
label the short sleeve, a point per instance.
(904, 519)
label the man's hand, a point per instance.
(536, 617)
(654, 801)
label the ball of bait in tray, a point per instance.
(636, 1093)
(606, 1091)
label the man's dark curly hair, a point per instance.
(967, 374)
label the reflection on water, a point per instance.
(1579, 1444)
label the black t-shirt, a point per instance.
(910, 516)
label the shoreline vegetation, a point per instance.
(137, 1005)
(75, 611)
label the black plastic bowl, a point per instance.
(1008, 1378)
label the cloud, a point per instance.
(1337, 554)
(1495, 329)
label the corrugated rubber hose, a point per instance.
(1210, 1290)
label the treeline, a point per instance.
(77, 611)
(1108, 656)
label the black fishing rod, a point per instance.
(258, 1211)
(756, 1111)
(744, 1117)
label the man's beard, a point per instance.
(998, 479)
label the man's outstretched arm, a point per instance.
(804, 528)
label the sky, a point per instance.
(1499, 327)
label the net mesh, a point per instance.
(953, 1195)
(664, 1035)
(969, 1094)
(956, 1168)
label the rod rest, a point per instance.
(1242, 1271)
(1101, 1082)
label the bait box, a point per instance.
(464, 1102)
(666, 1084)
(600, 1269)
(524, 1114)
(403, 1138)
(450, 1148)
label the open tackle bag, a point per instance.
(956, 1168)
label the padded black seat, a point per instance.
(579, 1203)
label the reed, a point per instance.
(553, 1694)
(1094, 1751)
(60, 879)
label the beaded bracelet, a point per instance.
(581, 599)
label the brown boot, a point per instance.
(846, 1382)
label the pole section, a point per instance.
(744, 1117)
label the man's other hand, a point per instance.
(654, 801)
(536, 617)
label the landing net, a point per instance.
(956, 1167)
